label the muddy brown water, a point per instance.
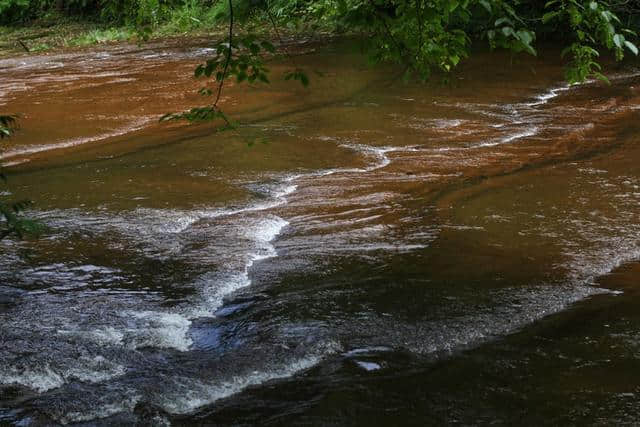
(362, 251)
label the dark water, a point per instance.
(391, 254)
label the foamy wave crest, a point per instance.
(45, 377)
(157, 329)
(103, 411)
(39, 378)
(191, 394)
(605, 241)
(514, 308)
(216, 286)
(26, 150)
(94, 405)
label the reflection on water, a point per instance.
(393, 252)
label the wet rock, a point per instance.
(12, 392)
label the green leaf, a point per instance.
(508, 31)
(211, 65)
(486, 5)
(526, 37)
(575, 16)
(610, 30)
(549, 16)
(632, 47)
(618, 40)
(503, 20)
(304, 79)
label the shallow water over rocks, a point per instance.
(363, 251)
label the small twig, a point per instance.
(226, 64)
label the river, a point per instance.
(360, 252)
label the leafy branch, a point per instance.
(242, 58)
(593, 24)
(12, 221)
(8, 125)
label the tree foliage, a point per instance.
(11, 220)
(424, 36)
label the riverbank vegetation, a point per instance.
(424, 36)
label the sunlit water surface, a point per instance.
(361, 252)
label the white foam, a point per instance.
(213, 291)
(367, 350)
(45, 377)
(267, 229)
(379, 153)
(106, 336)
(94, 370)
(159, 330)
(101, 411)
(529, 131)
(178, 221)
(517, 307)
(21, 151)
(598, 243)
(215, 287)
(41, 378)
(587, 266)
(368, 366)
(193, 394)
(545, 97)
(285, 191)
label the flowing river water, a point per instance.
(360, 252)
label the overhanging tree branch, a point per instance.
(228, 59)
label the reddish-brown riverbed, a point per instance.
(362, 251)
